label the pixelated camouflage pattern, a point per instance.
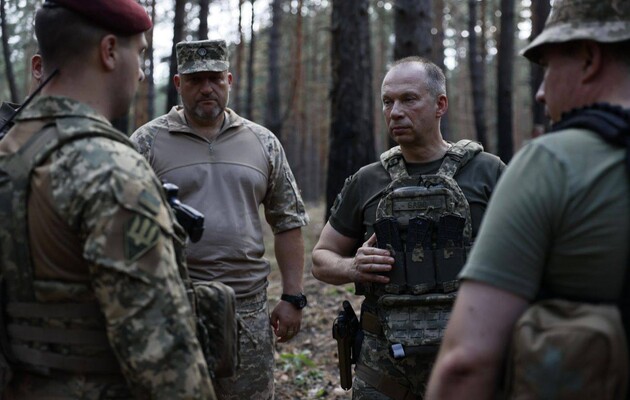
(420, 323)
(441, 183)
(411, 372)
(216, 308)
(202, 55)
(254, 377)
(599, 20)
(97, 186)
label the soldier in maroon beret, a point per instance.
(95, 306)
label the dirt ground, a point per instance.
(306, 367)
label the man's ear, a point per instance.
(441, 106)
(177, 81)
(592, 60)
(108, 51)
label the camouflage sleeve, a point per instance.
(143, 140)
(111, 196)
(284, 207)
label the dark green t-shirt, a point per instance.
(354, 211)
(558, 220)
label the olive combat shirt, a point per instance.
(84, 202)
(558, 220)
(226, 179)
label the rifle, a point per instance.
(345, 329)
(189, 218)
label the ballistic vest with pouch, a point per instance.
(36, 335)
(425, 223)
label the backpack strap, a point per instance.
(458, 155)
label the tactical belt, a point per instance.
(371, 324)
(384, 384)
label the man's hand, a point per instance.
(370, 262)
(286, 321)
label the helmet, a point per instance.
(604, 21)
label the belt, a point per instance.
(370, 323)
(384, 384)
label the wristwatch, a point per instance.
(298, 301)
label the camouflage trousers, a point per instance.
(411, 372)
(64, 386)
(254, 376)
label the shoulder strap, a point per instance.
(458, 155)
(394, 163)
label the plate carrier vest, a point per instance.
(34, 334)
(425, 223)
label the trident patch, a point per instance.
(141, 234)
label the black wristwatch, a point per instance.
(298, 301)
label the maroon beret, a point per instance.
(125, 17)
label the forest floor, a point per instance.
(306, 367)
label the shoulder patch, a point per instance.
(141, 235)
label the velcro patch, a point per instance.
(141, 234)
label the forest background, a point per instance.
(310, 71)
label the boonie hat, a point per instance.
(125, 17)
(201, 56)
(604, 21)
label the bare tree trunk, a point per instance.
(504, 82)
(477, 74)
(249, 96)
(540, 11)
(438, 56)
(178, 35)
(273, 121)
(145, 94)
(237, 71)
(412, 25)
(351, 131)
(6, 51)
(203, 19)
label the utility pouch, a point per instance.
(419, 258)
(388, 237)
(217, 326)
(450, 253)
(410, 320)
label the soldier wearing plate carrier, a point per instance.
(400, 230)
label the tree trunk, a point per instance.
(237, 71)
(273, 121)
(6, 51)
(477, 74)
(178, 35)
(146, 89)
(438, 56)
(540, 11)
(249, 95)
(413, 20)
(203, 19)
(504, 82)
(351, 129)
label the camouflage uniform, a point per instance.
(101, 234)
(227, 179)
